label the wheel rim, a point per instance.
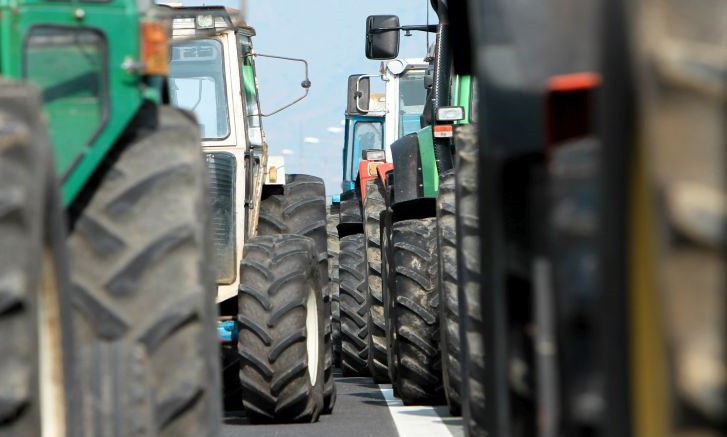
(311, 328)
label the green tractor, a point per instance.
(599, 231)
(106, 298)
(372, 124)
(419, 342)
(270, 240)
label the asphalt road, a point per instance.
(363, 409)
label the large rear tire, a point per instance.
(416, 321)
(143, 290)
(281, 337)
(373, 206)
(448, 304)
(472, 346)
(354, 306)
(301, 210)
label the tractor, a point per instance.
(370, 130)
(597, 246)
(270, 240)
(107, 296)
(420, 311)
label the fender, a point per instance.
(367, 170)
(383, 169)
(428, 163)
(408, 199)
(351, 221)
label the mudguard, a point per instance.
(408, 196)
(351, 221)
(407, 169)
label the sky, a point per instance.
(330, 35)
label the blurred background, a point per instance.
(330, 35)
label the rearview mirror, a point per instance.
(359, 94)
(382, 37)
(305, 84)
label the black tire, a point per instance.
(143, 290)
(354, 306)
(472, 346)
(301, 210)
(280, 286)
(373, 206)
(416, 320)
(448, 307)
(387, 293)
(333, 249)
(34, 315)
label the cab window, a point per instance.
(197, 83)
(250, 94)
(412, 96)
(68, 65)
(367, 135)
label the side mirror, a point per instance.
(305, 84)
(382, 37)
(359, 94)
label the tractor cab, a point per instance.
(258, 214)
(363, 133)
(211, 73)
(374, 121)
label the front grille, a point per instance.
(221, 168)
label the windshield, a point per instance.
(197, 83)
(412, 96)
(366, 135)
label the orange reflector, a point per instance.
(574, 82)
(443, 131)
(372, 168)
(273, 175)
(155, 48)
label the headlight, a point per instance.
(373, 155)
(397, 66)
(450, 113)
(205, 22)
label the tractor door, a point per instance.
(84, 56)
(362, 133)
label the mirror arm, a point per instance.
(306, 84)
(422, 28)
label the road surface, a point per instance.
(363, 409)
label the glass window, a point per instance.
(412, 96)
(248, 82)
(367, 135)
(197, 83)
(68, 65)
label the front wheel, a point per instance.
(143, 290)
(354, 306)
(301, 210)
(448, 305)
(372, 208)
(416, 322)
(281, 343)
(36, 360)
(469, 292)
